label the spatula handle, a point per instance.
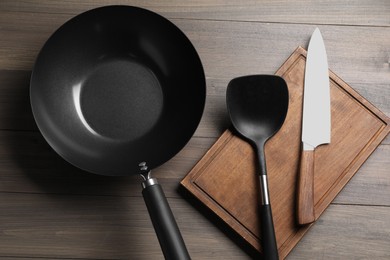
(305, 192)
(270, 249)
(268, 238)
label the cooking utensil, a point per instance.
(119, 90)
(315, 125)
(257, 106)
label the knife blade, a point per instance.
(316, 125)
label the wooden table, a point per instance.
(50, 210)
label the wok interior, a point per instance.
(136, 100)
(116, 86)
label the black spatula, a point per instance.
(257, 106)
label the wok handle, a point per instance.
(168, 234)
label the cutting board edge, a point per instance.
(189, 180)
(208, 201)
(369, 148)
(227, 219)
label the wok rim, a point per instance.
(195, 121)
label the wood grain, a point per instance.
(50, 210)
(357, 12)
(98, 227)
(347, 232)
(224, 180)
(305, 189)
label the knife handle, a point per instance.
(305, 193)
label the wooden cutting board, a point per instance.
(226, 181)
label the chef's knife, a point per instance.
(315, 125)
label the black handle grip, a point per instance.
(270, 249)
(168, 234)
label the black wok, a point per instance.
(117, 91)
